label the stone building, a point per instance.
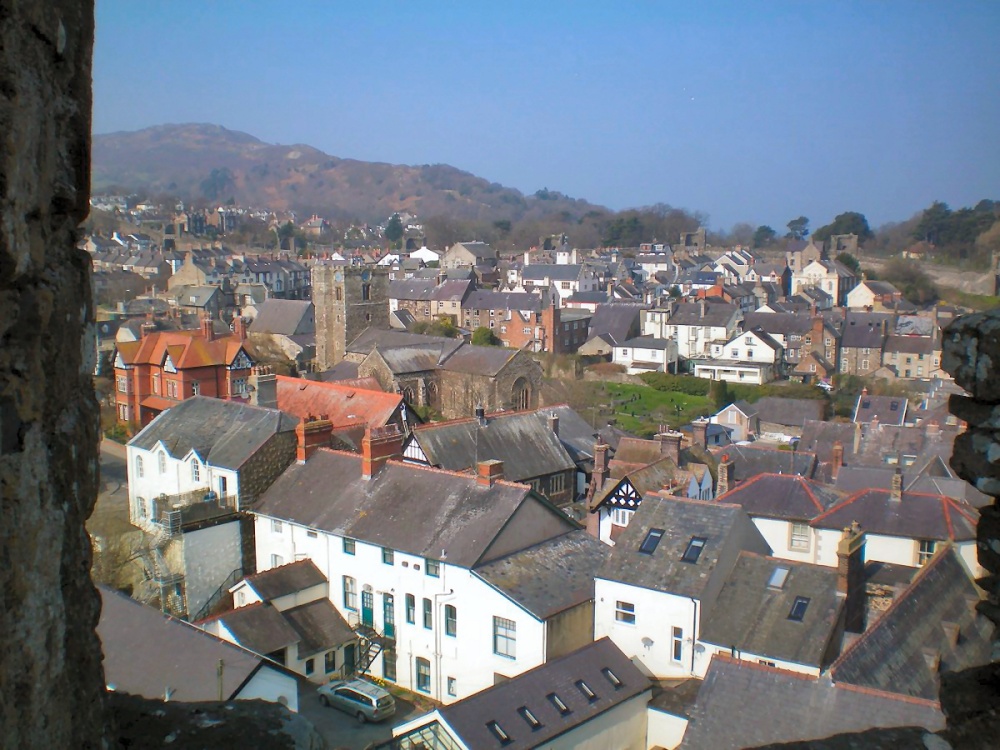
(347, 300)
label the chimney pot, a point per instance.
(489, 472)
(554, 423)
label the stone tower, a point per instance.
(348, 299)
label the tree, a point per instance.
(718, 391)
(483, 336)
(849, 222)
(394, 230)
(916, 286)
(849, 261)
(763, 236)
(741, 233)
(443, 326)
(798, 228)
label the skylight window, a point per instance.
(694, 548)
(777, 579)
(799, 608)
(498, 732)
(556, 701)
(612, 678)
(652, 539)
(584, 688)
(894, 406)
(529, 717)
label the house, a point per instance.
(739, 462)
(523, 320)
(695, 326)
(149, 654)
(287, 325)
(800, 253)
(783, 418)
(874, 296)
(740, 418)
(285, 614)
(593, 697)
(164, 368)
(832, 276)
(861, 342)
(646, 354)
(663, 577)
(612, 323)
(460, 580)
(564, 280)
(530, 450)
(469, 254)
(207, 301)
(913, 356)
(883, 410)
(753, 346)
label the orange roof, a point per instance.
(341, 404)
(187, 349)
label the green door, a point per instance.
(349, 659)
(368, 609)
(389, 615)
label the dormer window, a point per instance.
(652, 539)
(694, 548)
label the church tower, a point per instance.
(348, 299)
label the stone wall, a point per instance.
(51, 682)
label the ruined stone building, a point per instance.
(348, 300)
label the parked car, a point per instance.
(361, 699)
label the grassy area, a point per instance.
(967, 299)
(638, 409)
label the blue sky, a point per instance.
(748, 111)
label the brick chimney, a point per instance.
(600, 465)
(724, 475)
(699, 431)
(379, 445)
(670, 444)
(851, 577)
(263, 387)
(837, 459)
(896, 488)
(312, 433)
(489, 472)
(554, 423)
(207, 329)
(240, 327)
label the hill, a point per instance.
(208, 162)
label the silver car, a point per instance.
(363, 700)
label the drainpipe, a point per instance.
(438, 614)
(694, 626)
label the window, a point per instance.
(450, 620)
(529, 717)
(652, 539)
(864, 364)
(866, 350)
(350, 593)
(504, 637)
(694, 548)
(625, 612)
(844, 365)
(498, 732)
(677, 644)
(777, 579)
(195, 470)
(275, 526)
(140, 504)
(311, 533)
(765, 662)
(503, 329)
(428, 614)
(411, 609)
(526, 331)
(423, 675)
(349, 546)
(277, 561)
(432, 567)
(452, 686)
(556, 701)
(612, 678)
(330, 661)
(161, 458)
(621, 516)
(799, 607)
(584, 688)
(310, 666)
(800, 537)
(925, 550)
(388, 556)
(366, 292)
(195, 388)
(138, 466)
(122, 383)
(557, 483)
(389, 664)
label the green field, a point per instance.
(639, 409)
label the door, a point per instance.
(389, 615)
(349, 659)
(368, 609)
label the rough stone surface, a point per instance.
(51, 683)
(971, 346)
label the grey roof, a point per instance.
(785, 496)
(222, 433)
(286, 579)
(935, 618)
(388, 338)
(749, 461)
(285, 316)
(451, 290)
(478, 249)
(319, 626)
(914, 516)
(752, 616)
(406, 359)
(789, 412)
(912, 345)
(552, 271)
(484, 299)
(718, 314)
(914, 325)
(552, 576)
(575, 433)
(479, 360)
(864, 330)
(469, 717)
(819, 437)
(889, 410)
(259, 627)
(197, 296)
(616, 319)
(443, 513)
(781, 323)
(599, 297)
(148, 653)
(680, 520)
(526, 445)
(648, 342)
(412, 289)
(745, 704)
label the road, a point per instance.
(110, 514)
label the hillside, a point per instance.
(209, 162)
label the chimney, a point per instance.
(851, 577)
(240, 327)
(933, 428)
(489, 472)
(263, 387)
(701, 308)
(670, 444)
(312, 433)
(481, 415)
(554, 424)
(146, 328)
(207, 329)
(699, 431)
(724, 475)
(600, 464)
(896, 490)
(377, 446)
(837, 459)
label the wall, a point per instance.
(210, 555)
(620, 728)
(777, 533)
(271, 685)
(266, 465)
(569, 630)
(664, 729)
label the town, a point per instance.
(630, 496)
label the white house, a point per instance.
(695, 326)
(829, 275)
(735, 372)
(646, 354)
(752, 346)
(565, 280)
(426, 255)
(444, 569)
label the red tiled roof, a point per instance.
(341, 404)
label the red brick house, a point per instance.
(163, 368)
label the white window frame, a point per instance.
(798, 539)
(625, 612)
(504, 637)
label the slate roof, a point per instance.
(479, 249)
(342, 404)
(406, 359)
(864, 330)
(752, 616)
(286, 579)
(552, 271)
(387, 339)
(444, 513)
(223, 433)
(717, 314)
(749, 461)
(912, 345)
(259, 627)
(647, 479)
(915, 516)
(681, 520)
(284, 316)
(778, 322)
(889, 410)
(451, 290)
(819, 437)
(147, 652)
(786, 496)
(483, 299)
(525, 444)
(616, 319)
(633, 453)
(745, 704)
(575, 433)
(319, 626)
(648, 342)
(412, 289)
(789, 412)
(469, 717)
(934, 617)
(552, 576)
(479, 360)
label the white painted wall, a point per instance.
(664, 729)
(778, 534)
(271, 685)
(891, 549)
(210, 555)
(621, 728)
